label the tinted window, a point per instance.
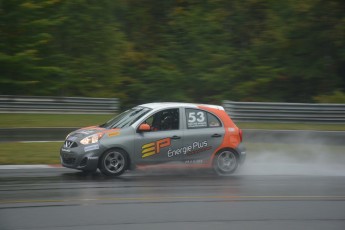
(164, 120)
(201, 119)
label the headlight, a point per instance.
(92, 139)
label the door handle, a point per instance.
(216, 135)
(175, 137)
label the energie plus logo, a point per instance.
(154, 147)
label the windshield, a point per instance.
(126, 118)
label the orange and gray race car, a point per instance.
(197, 134)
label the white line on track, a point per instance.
(37, 141)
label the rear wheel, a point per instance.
(114, 162)
(225, 162)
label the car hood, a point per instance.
(84, 132)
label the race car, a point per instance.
(156, 133)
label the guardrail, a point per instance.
(77, 105)
(285, 112)
(239, 111)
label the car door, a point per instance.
(165, 134)
(204, 133)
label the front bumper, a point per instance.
(78, 158)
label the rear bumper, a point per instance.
(241, 150)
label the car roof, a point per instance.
(159, 105)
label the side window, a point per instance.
(201, 119)
(196, 118)
(164, 120)
(213, 121)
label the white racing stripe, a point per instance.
(29, 166)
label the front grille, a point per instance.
(69, 160)
(70, 144)
(83, 162)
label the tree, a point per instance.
(186, 50)
(25, 38)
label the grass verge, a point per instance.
(82, 120)
(15, 153)
(291, 126)
(52, 120)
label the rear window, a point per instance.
(197, 118)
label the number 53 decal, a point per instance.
(196, 117)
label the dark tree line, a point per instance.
(196, 51)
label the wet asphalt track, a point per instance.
(63, 199)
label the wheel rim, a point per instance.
(226, 161)
(114, 162)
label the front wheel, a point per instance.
(114, 162)
(225, 163)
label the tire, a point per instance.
(225, 162)
(114, 162)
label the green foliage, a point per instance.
(336, 97)
(196, 51)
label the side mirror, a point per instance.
(144, 128)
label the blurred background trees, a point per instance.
(195, 51)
